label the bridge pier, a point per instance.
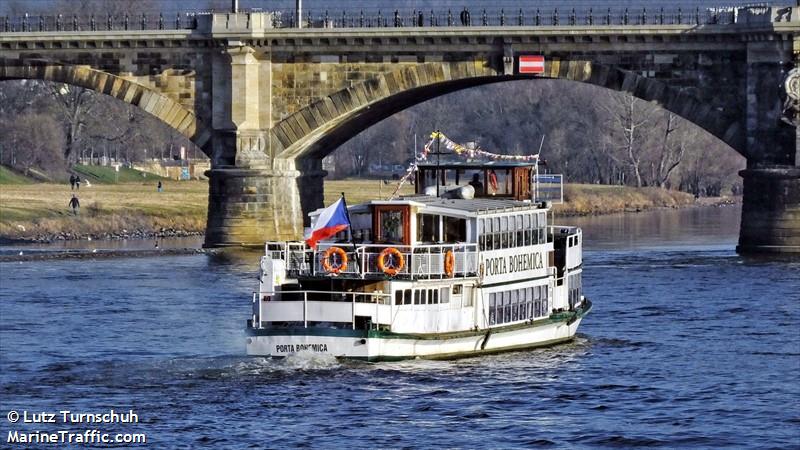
(770, 211)
(247, 207)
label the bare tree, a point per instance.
(668, 156)
(74, 103)
(630, 120)
(31, 141)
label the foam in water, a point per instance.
(308, 360)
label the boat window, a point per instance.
(433, 296)
(574, 289)
(523, 305)
(457, 289)
(444, 295)
(504, 232)
(418, 300)
(507, 306)
(455, 229)
(495, 233)
(407, 296)
(481, 234)
(466, 299)
(398, 297)
(499, 182)
(520, 230)
(492, 309)
(427, 228)
(514, 306)
(475, 179)
(391, 224)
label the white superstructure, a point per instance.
(426, 276)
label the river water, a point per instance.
(689, 345)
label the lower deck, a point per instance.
(377, 345)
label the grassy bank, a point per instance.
(40, 211)
(591, 199)
(8, 176)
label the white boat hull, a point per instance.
(386, 347)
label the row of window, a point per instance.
(575, 288)
(518, 304)
(431, 296)
(434, 228)
(512, 231)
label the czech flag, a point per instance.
(330, 221)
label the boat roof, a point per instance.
(476, 206)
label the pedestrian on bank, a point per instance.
(72, 181)
(160, 188)
(74, 204)
(77, 183)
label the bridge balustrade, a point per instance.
(384, 19)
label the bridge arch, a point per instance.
(317, 129)
(169, 111)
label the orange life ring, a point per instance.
(327, 256)
(449, 263)
(398, 262)
(493, 180)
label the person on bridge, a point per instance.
(74, 204)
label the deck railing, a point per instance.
(419, 261)
(323, 306)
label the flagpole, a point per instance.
(350, 231)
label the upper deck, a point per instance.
(422, 233)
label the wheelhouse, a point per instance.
(500, 179)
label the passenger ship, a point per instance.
(473, 270)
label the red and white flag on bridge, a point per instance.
(531, 64)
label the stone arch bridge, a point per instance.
(267, 104)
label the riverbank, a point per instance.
(39, 212)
